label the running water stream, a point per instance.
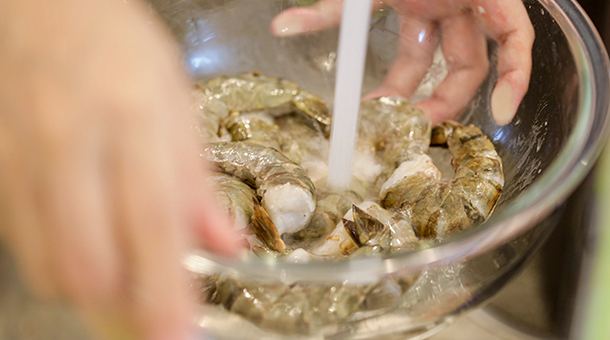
(351, 56)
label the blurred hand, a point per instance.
(462, 26)
(101, 182)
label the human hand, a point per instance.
(462, 26)
(101, 184)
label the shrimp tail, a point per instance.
(265, 230)
(366, 230)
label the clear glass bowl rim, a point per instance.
(561, 178)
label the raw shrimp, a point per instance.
(288, 195)
(302, 307)
(280, 147)
(338, 244)
(236, 197)
(395, 128)
(308, 146)
(368, 224)
(330, 209)
(265, 229)
(298, 255)
(395, 132)
(210, 112)
(257, 127)
(441, 209)
(410, 182)
(253, 91)
(285, 308)
(378, 227)
(240, 202)
(307, 142)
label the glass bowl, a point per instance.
(547, 150)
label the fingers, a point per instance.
(73, 200)
(508, 23)
(505, 21)
(465, 50)
(20, 226)
(418, 39)
(78, 230)
(151, 227)
(211, 226)
(21, 229)
(322, 15)
(59, 230)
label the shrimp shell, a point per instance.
(256, 127)
(253, 91)
(274, 176)
(469, 198)
(395, 128)
(235, 197)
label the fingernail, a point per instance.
(287, 25)
(502, 107)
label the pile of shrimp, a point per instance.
(267, 140)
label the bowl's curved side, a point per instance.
(548, 149)
(566, 110)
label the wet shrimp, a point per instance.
(257, 127)
(254, 91)
(395, 128)
(374, 226)
(241, 204)
(265, 230)
(297, 247)
(286, 192)
(394, 132)
(302, 307)
(220, 97)
(307, 144)
(368, 225)
(330, 209)
(441, 209)
(280, 147)
(308, 147)
(209, 114)
(338, 243)
(235, 197)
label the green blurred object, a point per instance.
(306, 2)
(595, 322)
